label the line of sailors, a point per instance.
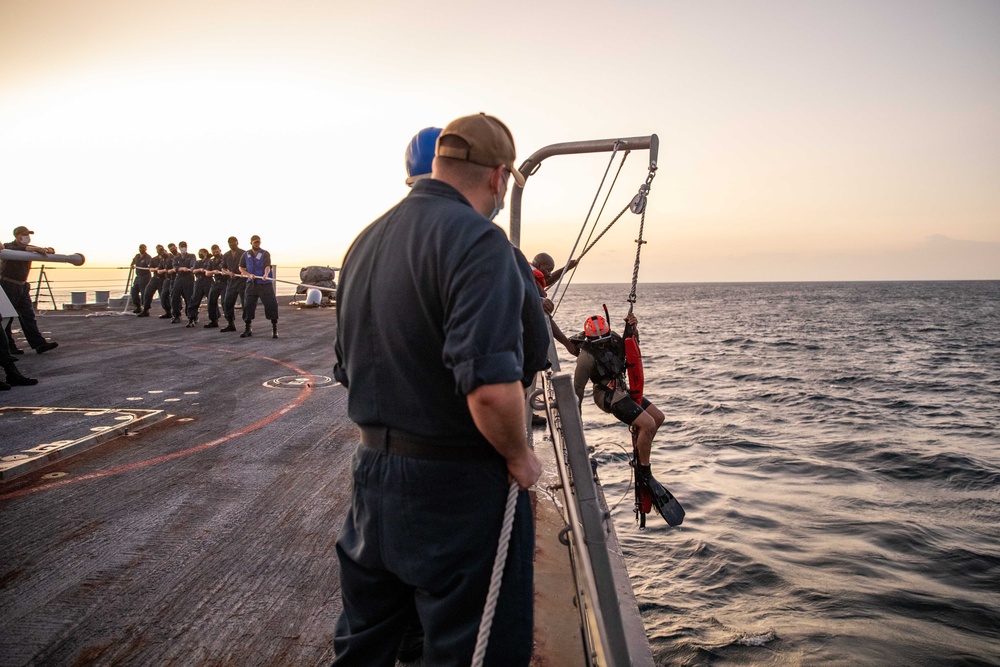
(183, 279)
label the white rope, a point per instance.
(482, 640)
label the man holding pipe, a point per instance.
(14, 280)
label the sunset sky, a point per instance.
(840, 140)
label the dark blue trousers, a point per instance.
(202, 288)
(263, 292)
(423, 535)
(155, 284)
(234, 291)
(165, 289)
(139, 288)
(20, 298)
(182, 289)
(218, 291)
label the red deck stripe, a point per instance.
(303, 394)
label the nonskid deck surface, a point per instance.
(206, 537)
(191, 489)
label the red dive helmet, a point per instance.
(595, 327)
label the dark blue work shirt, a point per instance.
(428, 309)
(187, 260)
(534, 322)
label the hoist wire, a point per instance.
(586, 220)
(587, 249)
(588, 244)
(635, 270)
(601, 212)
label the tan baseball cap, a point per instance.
(490, 143)
(22, 230)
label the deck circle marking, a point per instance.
(54, 475)
(298, 382)
(304, 393)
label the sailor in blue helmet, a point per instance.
(420, 154)
(419, 159)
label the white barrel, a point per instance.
(313, 297)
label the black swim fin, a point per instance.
(663, 500)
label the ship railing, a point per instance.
(56, 284)
(610, 640)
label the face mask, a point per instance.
(184, 248)
(25, 239)
(497, 207)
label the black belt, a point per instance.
(382, 439)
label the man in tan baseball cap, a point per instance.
(488, 142)
(433, 271)
(476, 154)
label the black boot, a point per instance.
(246, 333)
(228, 327)
(143, 313)
(4, 386)
(274, 329)
(15, 379)
(213, 324)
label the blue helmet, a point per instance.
(420, 154)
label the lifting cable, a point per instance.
(586, 220)
(637, 206)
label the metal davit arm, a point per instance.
(531, 165)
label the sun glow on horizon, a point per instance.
(781, 150)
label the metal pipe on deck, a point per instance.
(75, 259)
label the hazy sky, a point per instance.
(799, 140)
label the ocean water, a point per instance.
(837, 449)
